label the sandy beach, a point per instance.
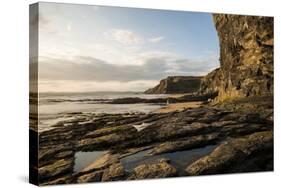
(179, 106)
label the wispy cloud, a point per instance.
(123, 36)
(68, 26)
(156, 39)
(86, 86)
(92, 69)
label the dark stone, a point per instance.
(176, 84)
(114, 172)
(160, 169)
(236, 153)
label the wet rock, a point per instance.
(234, 154)
(90, 177)
(106, 141)
(61, 180)
(188, 143)
(56, 168)
(160, 169)
(164, 160)
(57, 152)
(185, 98)
(109, 130)
(115, 172)
(258, 107)
(241, 129)
(223, 123)
(131, 151)
(170, 130)
(103, 162)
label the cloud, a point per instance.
(92, 69)
(125, 37)
(68, 27)
(85, 73)
(96, 8)
(87, 86)
(156, 39)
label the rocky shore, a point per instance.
(190, 97)
(240, 142)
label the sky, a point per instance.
(86, 48)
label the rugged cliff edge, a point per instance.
(176, 84)
(246, 57)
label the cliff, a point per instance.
(176, 84)
(246, 57)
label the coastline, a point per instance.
(158, 140)
(179, 107)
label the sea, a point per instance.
(54, 107)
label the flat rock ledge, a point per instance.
(242, 154)
(161, 169)
(245, 137)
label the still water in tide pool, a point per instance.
(179, 159)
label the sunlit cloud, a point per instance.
(156, 39)
(123, 36)
(68, 27)
(100, 48)
(93, 69)
(88, 86)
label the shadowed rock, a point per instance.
(235, 153)
(90, 177)
(176, 84)
(185, 144)
(161, 169)
(246, 57)
(114, 172)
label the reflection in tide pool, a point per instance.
(179, 159)
(83, 159)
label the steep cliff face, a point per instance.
(176, 84)
(246, 57)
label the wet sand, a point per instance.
(178, 107)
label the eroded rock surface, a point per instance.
(166, 133)
(246, 57)
(247, 153)
(161, 169)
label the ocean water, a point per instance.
(55, 107)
